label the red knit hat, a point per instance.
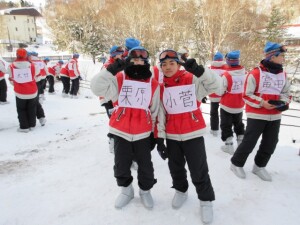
(21, 53)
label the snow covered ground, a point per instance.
(62, 173)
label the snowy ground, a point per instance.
(61, 174)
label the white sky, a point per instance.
(62, 173)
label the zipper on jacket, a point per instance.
(194, 117)
(120, 114)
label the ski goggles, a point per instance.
(139, 53)
(168, 54)
(118, 51)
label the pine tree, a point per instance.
(275, 31)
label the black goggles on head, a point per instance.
(139, 53)
(168, 54)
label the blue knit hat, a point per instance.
(76, 55)
(46, 59)
(273, 49)
(233, 58)
(116, 50)
(131, 43)
(218, 57)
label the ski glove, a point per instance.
(152, 141)
(204, 100)
(161, 148)
(119, 65)
(280, 105)
(191, 66)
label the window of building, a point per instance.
(27, 20)
(32, 29)
(16, 29)
(28, 29)
(14, 17)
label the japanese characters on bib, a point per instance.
(22, 75)
(237, 84)
(271, 83)
(135, 94)
(180, 99)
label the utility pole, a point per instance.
(10, 45)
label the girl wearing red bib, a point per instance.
(22, 75)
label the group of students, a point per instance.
(149, 109)
(70, 72)
(29, 74)
(264, 92)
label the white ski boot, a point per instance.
(146, 199)
(23, 130)
(127, 193)
(42, 121)
(238, 171)
(262, 173)
(228, 147)
(214, 133)
(206, 211)
(178, 199)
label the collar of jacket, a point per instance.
(175, 79)
(271, 67)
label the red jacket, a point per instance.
(183, 123)
(64, 72)
(131, 120)
(2, 66)
(24, 89)
(253, 95)
(72, 66)
(219, 70)
(158, 74)
(108, 62)
(232, 101)
(51, 71)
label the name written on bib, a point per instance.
(22, 75)
(180, 99)
(135, 94)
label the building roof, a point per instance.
(24, 11)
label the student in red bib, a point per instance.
(74, 75)
(267, 94)
(219, 67)
(22, 75)
(232, 103)
(135, 96)
(116, 52)
(181, 123)
(65, 79)
(3, 85)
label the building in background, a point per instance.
(18, 25)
